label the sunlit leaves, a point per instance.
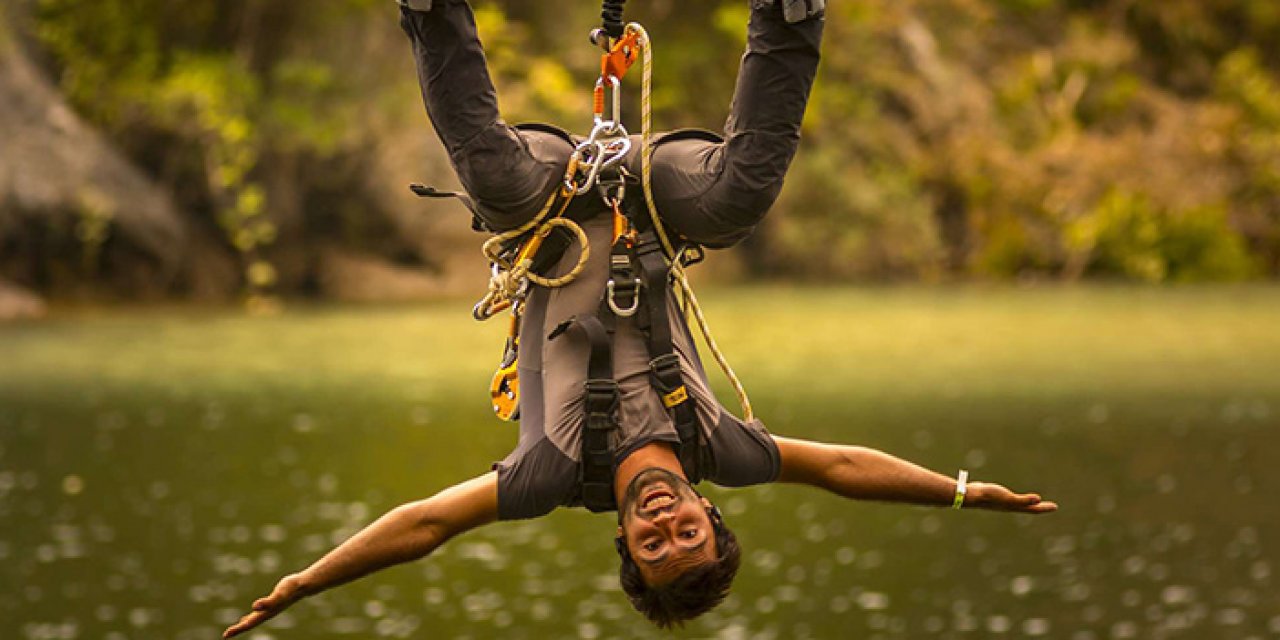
(997, 138)
(1128, 235)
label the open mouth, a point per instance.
(657, 499)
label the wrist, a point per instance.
(961, 496)
(976, 497)
(302, 584)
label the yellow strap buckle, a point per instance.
(675, 397)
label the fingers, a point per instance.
(246, 623)
(1043, 507)
(999, 498)
(284, 594)
(1033, 503)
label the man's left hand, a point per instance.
(985, 495)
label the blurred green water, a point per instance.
(160, 468)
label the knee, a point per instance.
(507, 175)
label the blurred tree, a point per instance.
(73, 211)
(946, 138)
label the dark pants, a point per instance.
(713, 193)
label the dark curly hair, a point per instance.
(693, 593)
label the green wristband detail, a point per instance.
(962, 487)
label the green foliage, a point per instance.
(92, 229)
(854, 220)
(1043, 138)
(214, 100)
(1128, 235)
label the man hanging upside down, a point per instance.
(678, 556)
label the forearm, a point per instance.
(406, 533)
(863, 474)
(867, 474)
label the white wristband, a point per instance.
(962, 487)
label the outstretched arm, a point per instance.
(405, 533)
(867, 474)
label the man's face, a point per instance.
(665, 526)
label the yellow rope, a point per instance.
(646, 163)
(493, 245)
(508, 279)
(552, 283)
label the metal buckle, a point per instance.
(611, 295)
(666, 366)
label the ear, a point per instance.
(621, 534)
(706, 504)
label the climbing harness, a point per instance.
(643, 263)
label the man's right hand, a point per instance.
(288, 591)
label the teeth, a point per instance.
(659, 501)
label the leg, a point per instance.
(716, 194)
(507, 172)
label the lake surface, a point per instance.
(159, 469)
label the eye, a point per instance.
(651, 545)
(689, 534)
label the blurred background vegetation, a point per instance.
(165, 465)
(247, 147)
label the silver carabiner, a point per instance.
(615, 119)
(601, 129)
(594, 161)
(617, 155)
(613, 305)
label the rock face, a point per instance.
(63, 186)
(19, 304)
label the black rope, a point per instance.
(611, 16)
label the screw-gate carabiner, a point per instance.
(615, 119)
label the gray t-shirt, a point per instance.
(542, 472)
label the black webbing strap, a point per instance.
(601, 404)
(664, 364)
(422, 191)
(611, 17)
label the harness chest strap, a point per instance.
(664, 364)
(600, 401)
(641, 273)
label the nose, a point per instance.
(663, 517)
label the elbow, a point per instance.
(426, 527)
(843, 473)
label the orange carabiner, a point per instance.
(621, 226)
